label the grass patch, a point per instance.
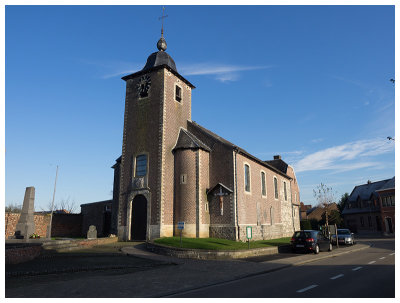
(219, 244)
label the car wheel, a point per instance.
(316, 250)
(330, 247)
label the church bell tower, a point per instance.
(157, 106)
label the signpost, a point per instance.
(181, 225)
(249, 234)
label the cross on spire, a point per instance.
(162, 21)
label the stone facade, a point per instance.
(173, 170)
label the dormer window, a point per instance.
(178, 93)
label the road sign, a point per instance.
(249, 232)
(181, 225)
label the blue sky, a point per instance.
(308, 82)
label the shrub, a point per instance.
(305, 224)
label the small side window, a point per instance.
(183, 178)
(178, 93)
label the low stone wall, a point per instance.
(19, 253)
(265, 232)
(223, 232)
(94, 242)
(212, 254)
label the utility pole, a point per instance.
(52, 206)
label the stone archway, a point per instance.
(139, 218)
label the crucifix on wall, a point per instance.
(221, 195)
(220, 191)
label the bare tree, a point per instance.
(324, 196)
(67, 205)
(13, 208)
(64, 204)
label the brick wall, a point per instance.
(176, 114)
(269, 217)
(22, 253)
(95, 214)
(204, 213)
(63, 225)
(185, 193)
(151, 126)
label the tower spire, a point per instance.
(162, 44)
(162, 21)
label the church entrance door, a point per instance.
(139, 218)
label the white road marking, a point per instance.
(391, 254)
(382, 258)
(307, 288)
(338, 276)
(357, 268)
(372, 262)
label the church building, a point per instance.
(173, 169)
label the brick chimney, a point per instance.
(277, 157)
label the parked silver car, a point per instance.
(345, 236)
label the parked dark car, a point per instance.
(345, 236)
(310, 240)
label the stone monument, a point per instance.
(92, 232)
(26, 224)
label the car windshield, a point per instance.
(343, 232)
(301, 234)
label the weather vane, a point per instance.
(162, 21)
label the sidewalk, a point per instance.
(192, 274)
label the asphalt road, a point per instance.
(369, 273)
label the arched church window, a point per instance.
(141, 166)
(271, 214)
(284, 190)
(263, 188)
(247, 178)
(276, 187)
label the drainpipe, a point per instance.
(291, 201)
(236, 198)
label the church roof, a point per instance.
(278, 164)
(160, 58)
(235, 147)
(117, 162)
(187, 140)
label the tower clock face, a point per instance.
(143, 86)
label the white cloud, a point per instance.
(222, 72)
(345, 157)
(121, 73)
